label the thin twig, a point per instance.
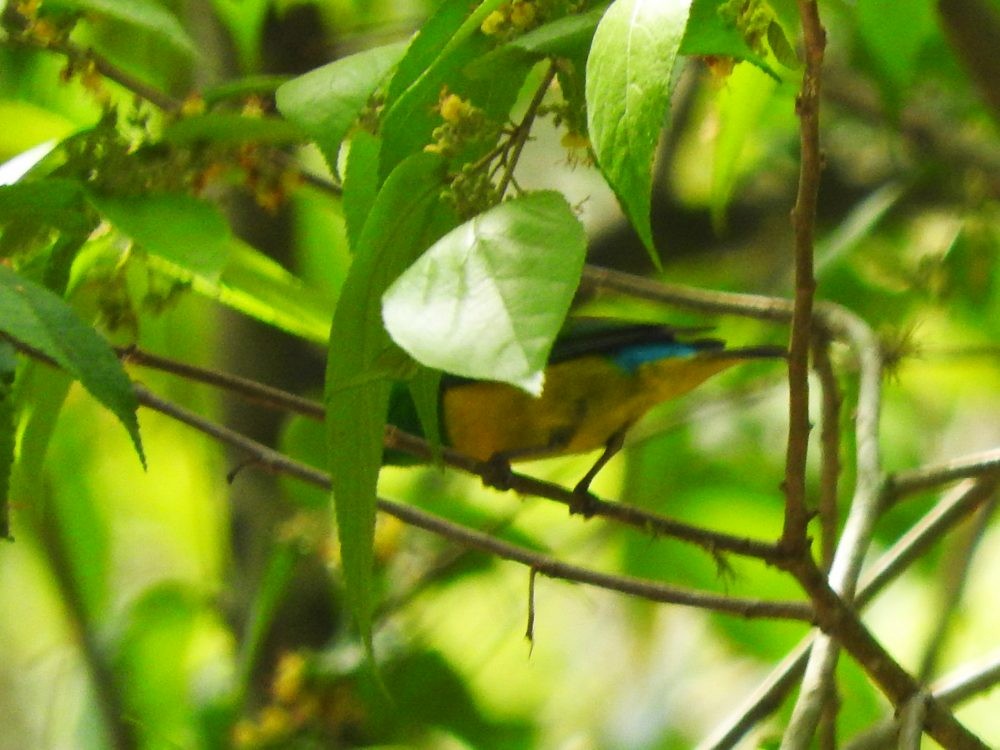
(523, 130)
(793, 536)
(966, 682)
(766, 699)
(274, 461)
(644, 520)
(701, 300)
(858, 528)
(838, 619)
(910, 481)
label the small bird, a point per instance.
(601, 378)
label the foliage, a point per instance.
(423, 204)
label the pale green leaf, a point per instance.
(629, 80)
(487, 300)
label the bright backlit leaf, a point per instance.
(487, 299)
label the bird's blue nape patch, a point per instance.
(631, 357)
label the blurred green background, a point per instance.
(210, 611)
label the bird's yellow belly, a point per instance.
(583, 404)
(585, 401)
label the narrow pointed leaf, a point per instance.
(33, 315)
(147, 15)
(629, 82)
(405, 217)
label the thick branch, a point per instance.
(803, 223)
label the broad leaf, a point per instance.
(487, 300)
(147, 15)
(32, 315)
(56, 203)
(566, 37)
(360, 184)
(177, 227)
(326, 101)
(255, 285)
(405, 218)
(629, 82)
(437, 59)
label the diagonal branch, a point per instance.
(646, 521)
(544, 564)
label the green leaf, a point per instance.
(274, 586)
(326, 101)
(894, 34)
(427, 48)
(709, 33)
(629, 83)
(230, 128)
(256, 285)
(405, 218)
(147, 15)
(567, 37)
(487, 300)
(177, 227)
(8, 364)
(55, 202)
(742, 102)
(425, 390)
(35, 125)
(439, 58)
(244, 19)
(360, 184)
(240, 88)
(33, 315)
